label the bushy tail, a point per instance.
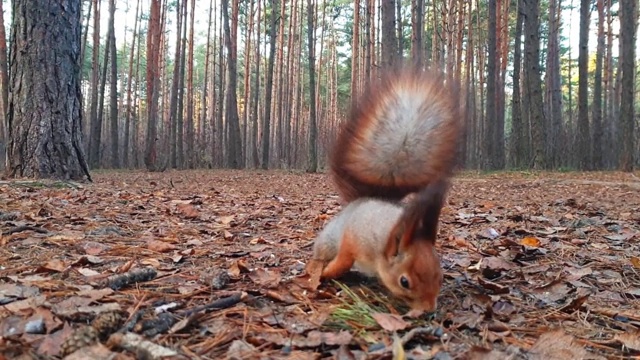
(403, 134)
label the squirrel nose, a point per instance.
(429, 306)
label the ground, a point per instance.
(211, 265)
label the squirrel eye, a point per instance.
(404, 282)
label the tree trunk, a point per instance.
(490, 146)
(628, 28)
(355, 48)
(369, 38)
(129, 108)
(554, 129)
(173, 102)
(533, 82)
(517, 140)
(583, 147)
(203, 116)
(4, 83)
(180, 111)
(256, 94)
(96, 128)
(153, 88)
(417, 28)
(389, 41)
(234, 154)
(190, 96)
(598, 130)
(266, 129)
(44, 106)
(113, 91)
(313, 127)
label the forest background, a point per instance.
(543, 81)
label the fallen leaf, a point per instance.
(390, 322)
(50, 346)
(265, 277)
(552, 292)
(94, 352)
(160, 246)
(226, 220)
(530, 241)
(55, 265)
(480, 353)
(557, 345)
(188, 211)
(635, 261)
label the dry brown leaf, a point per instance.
(50, 346)
(635, 261)
(160, 246)
(28, 303)
(94, 352)
(54, 265)
(390, 322)
(265, 277)
(188, 211)
(557, 345)
(226, 220)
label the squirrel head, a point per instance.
(412, 268)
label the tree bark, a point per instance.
(533, 81)
(598, 130)
(628, 29)
(190, 156)
(129, 109)
(266, 129)
(554, 128)
(583, 147)
(417, 28)
(490, 145)
(355, 49)
(234, 154)
(389, 41)
(4, 82)
(256, 93)
(45, 103)
(96, 128)
(153, 82)
(517, 140)
(113, 90)
(313, 127)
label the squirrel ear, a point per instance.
(432, 200)
(401, 235)
(419, 222)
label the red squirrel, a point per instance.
(401, 138)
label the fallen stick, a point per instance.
(22, 228)
(218, 304)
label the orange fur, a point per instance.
(401, 138)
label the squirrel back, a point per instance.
(401, 138)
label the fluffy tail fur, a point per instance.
(402, 135)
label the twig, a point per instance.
(223, 303)
(22, 228)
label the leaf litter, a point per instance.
(216, 264)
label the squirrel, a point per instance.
(401, 140)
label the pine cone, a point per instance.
(81, 337)
(108, 323)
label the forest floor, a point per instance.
(211, 265)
